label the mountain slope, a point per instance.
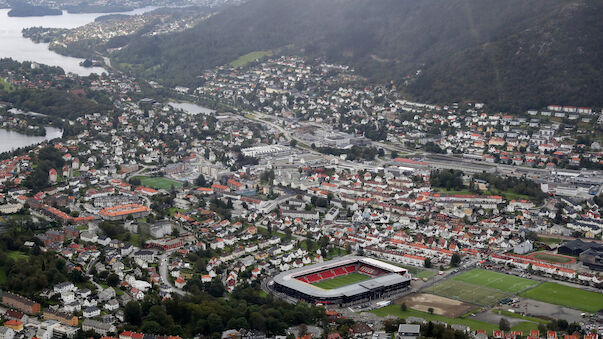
(384, 40)
(558, 59)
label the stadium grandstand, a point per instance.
(343, 281)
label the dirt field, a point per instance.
(442, 306)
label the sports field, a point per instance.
(566, 296)
(470, 293)
(158, 182)
(499, 281)
(337, 282)
(553, 258)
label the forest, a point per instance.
(354, 153)
(428, 53)
(46, 159)
(451, 180)
(27, 271)
(520, 186)
(246, 308)
(52, 102)
(23, 9)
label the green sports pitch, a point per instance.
(566, 296)
(463, 291)
(495, 280)
(341, 281)
(481, 287)
(158, 182)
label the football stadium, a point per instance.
(343, 281)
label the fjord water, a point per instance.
(11, 140)
(14, 45)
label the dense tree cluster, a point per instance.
(354, 153)
(28, 270)
(515, 185)
(53, 102)
(451, 180)
(205, 314)
(47, 158)
(23, 9)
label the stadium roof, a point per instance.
(288, 279)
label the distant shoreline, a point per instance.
(31, 11)
(24, 11)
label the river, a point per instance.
(191, 108)
(11, 140)
(14, 45)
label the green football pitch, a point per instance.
(158, 182)
(337, 282)
(470, 293)
(499, 281)
(566, 296)
(481, 287)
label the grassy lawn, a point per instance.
(519, 316)
(249, 57)
(499, 281)
(395, 310)
(174, 210)
(7, 86)
(511, 195)
(445, 191)
(492, 191)
(264, 231)
(566, 296)
(470, 293)
(525, 327)
(158, 182)
(553, 258)
(425, 274)
(16, 255)
(337, 282)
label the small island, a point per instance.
(25, 10)
(91, 63)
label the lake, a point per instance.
(191, 108)
(11, 140)
(14, 45)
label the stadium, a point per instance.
(343, 281)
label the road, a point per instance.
(163, 272)
(139, 171)
(264, 119)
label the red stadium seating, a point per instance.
(327, 274)
(339, 271)
(313, 278)
(350, 268)
(371, 270)
(368, 270)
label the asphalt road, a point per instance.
(163, 272)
